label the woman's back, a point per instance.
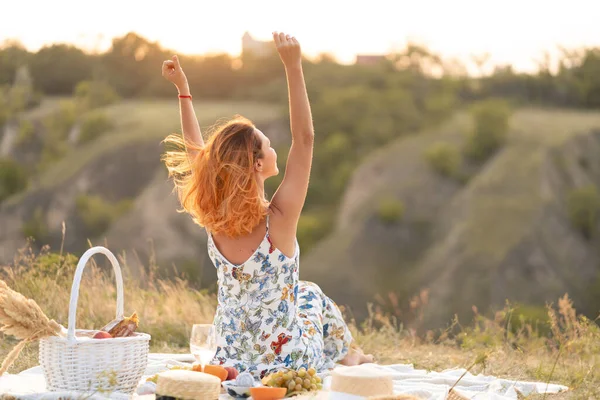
(240, 249)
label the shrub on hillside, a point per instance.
(3, 106)
(311, 227)
(26, 132)
(444, 158)
(35, 227)
(93, 125)
(334, 159)
(584, 207)
(52, 152)
(57, 127)
(59, 123)
(490, 127)
(390, 210)
(13, 178)
(535, 317)
(94, 94)
(97, 214)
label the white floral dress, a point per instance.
(267, 319)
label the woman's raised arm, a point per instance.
(172, 71)
(291, 194)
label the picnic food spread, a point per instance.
(280, 384)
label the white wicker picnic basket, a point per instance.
(84, 364)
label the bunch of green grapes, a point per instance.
(296, 382)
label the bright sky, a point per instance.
(511, 31)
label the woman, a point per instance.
(266, 318)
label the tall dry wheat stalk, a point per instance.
(25, 320)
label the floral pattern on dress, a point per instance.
(267, 319)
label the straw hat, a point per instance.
(452, 395)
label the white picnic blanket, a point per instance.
(30, 384)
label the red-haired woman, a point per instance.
(266, 318)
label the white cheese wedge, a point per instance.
(362, 381)
(188, 385)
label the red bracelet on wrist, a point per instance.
(185, 97)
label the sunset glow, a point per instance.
(516, 32)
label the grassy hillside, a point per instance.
(499, 230)
(137, 121)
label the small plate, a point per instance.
(238, 392)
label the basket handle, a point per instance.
(77, 280)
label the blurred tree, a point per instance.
(4, 106)
(419, 60)
(88, 96)
(491, 123)
(12, 56)
(586, 79)
(57, 69)
(214, 77)
(583, 206)
(93, 124)
(132, 63)
(13, 178)
(444, 158)
(57, 128)
(21, 93)
(93, 94)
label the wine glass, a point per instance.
(203, 343)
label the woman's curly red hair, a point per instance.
(216, 183)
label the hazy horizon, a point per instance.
(513, 33)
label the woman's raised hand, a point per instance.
(288, 49)
(171, 71)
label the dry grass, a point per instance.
(24, 319)
(500, 345)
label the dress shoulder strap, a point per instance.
(268, 223)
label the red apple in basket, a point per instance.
(102, 335)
